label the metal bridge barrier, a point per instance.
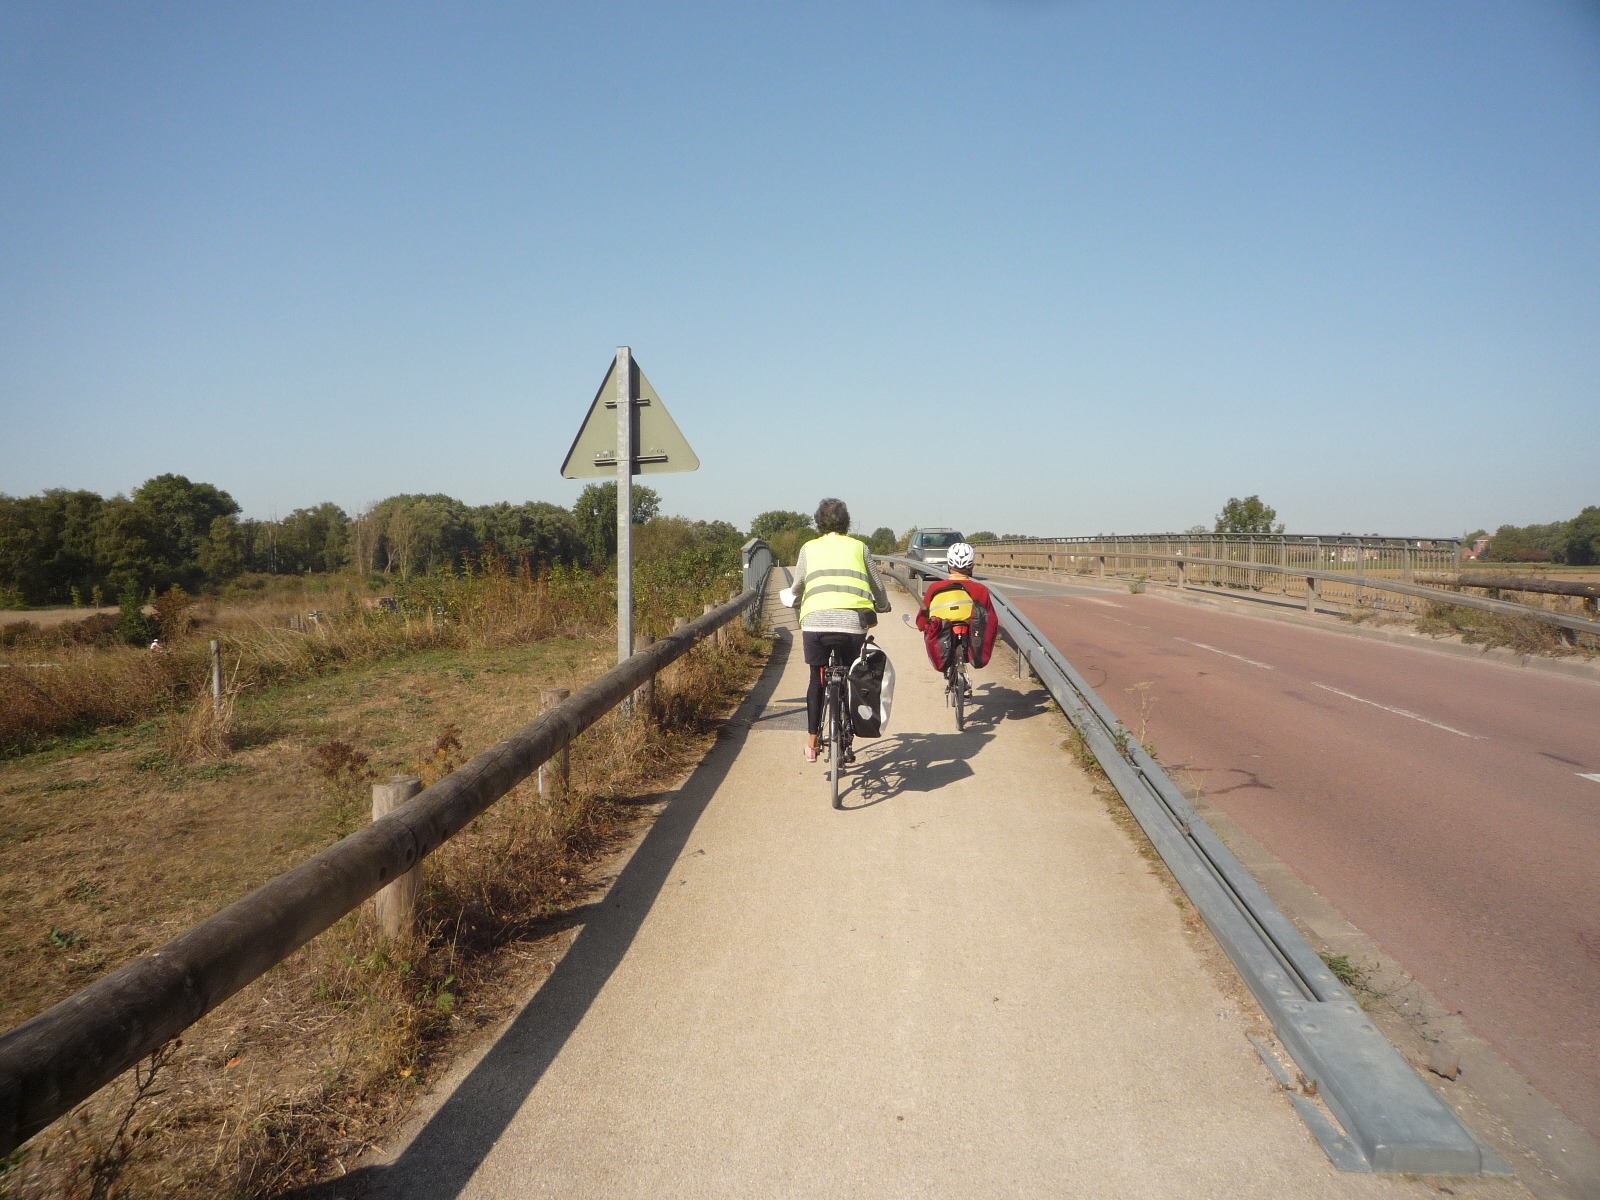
(1343, 570)
(70, 1051)
(1392, 1120)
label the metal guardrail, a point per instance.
(70, 1051)
(1393, 1120)
(1316, 568)
(758, 562)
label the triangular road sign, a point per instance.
(659, 447)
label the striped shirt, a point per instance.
(848, 620)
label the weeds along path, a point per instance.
(115, 842)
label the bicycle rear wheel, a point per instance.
(835, 742)
(961, 695)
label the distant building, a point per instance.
(1479, 544)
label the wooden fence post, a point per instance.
(397, 903)
(216, 678)
(644, 697)
(716, 638)
(548, 699)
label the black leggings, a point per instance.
(816, 644)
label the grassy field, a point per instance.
(113, 841)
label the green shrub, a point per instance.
(136, 628)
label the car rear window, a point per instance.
(940, 541)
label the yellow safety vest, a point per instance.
(836, 575)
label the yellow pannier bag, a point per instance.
(952, 604)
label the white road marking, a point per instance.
(1226, 654)
(1585, 775)
(1399, 712)
(1097, 600)
(1011, 587)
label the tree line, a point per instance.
(1575, 541)
(78, 547)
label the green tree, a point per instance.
(1527, 543)
(222, 556)
(546, 533)
(136, 628)
(774, 522)
(75, 521)
(983, 535)
(420, 533)
(125, 546)
(178, 516)
(1249, 515)
(312, 539)
(596, 514)
(1582, 538)
(882, 541)
(19, 550)
(47, 545)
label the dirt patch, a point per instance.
(49, 618)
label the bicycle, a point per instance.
(953, 612)
(838, 736)
(956, 687)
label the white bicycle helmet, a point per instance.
(959, 557)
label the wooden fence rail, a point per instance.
(70, 1051)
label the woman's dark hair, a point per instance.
(833, 517)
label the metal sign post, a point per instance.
(623, 370)
(644, 440)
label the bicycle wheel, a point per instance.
(961, 695)
(835, 740)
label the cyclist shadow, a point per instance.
(926, 762)
(910, 762)
(992, 702)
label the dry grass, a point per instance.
(53, 686)
(112, 844)
(1525, 635)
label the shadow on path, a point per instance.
(442, 1158)
(926, 762)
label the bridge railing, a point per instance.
(1392, 1120)
(70, 1051)
(1340, 573)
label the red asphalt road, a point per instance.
(1438, 802)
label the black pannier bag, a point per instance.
(871, 691)
(982, 647)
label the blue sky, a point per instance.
(1060, 268)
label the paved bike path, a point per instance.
(966, 983)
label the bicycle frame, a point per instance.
(837, 733)
(955, 672)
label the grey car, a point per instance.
(932, 545)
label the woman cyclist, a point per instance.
(840, 597)
(960, 560)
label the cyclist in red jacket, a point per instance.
(985, 627)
